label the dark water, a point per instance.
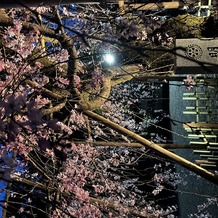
(195, 193)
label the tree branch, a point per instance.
(54, 109)
(139, 145)
(117, 206)
(90, 104)
(44, 90)
(182, 161)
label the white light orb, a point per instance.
(109, 58)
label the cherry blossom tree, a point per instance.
(54, 83)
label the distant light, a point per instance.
(109, 58)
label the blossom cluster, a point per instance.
(84, 181)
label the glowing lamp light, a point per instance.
(109, 58)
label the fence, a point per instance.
(204, 7)
(203, 132)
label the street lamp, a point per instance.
(109, 58)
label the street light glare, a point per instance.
(109, 58)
